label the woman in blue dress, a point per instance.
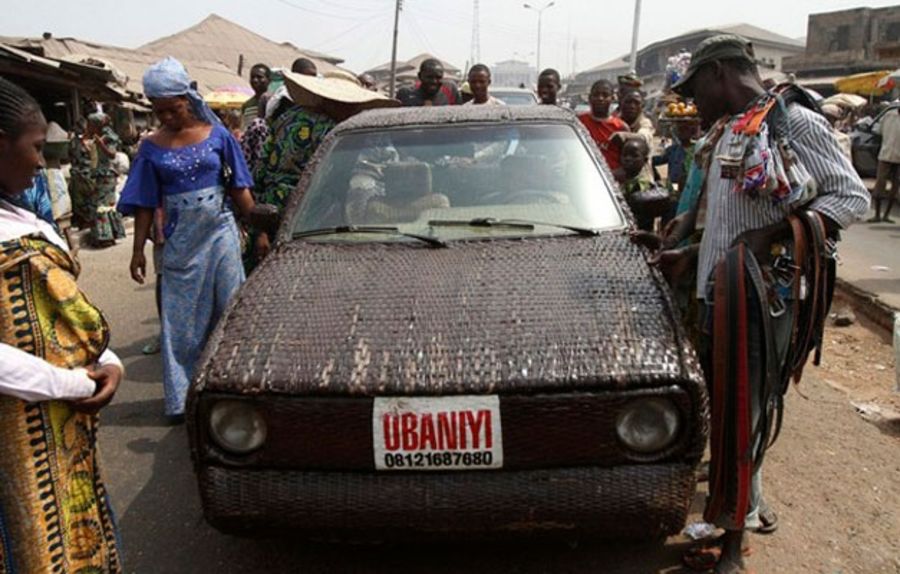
(192, 167)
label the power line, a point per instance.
(324, 14)
(341, 35)
(341, 6)
(420, 35)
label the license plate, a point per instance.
(437, 433)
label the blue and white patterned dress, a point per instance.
(201, 259)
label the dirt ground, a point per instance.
(834, 476)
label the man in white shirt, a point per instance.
(479, 82)
(888, 165)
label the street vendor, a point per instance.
(776, 185)
(678, 156)
(294, 137)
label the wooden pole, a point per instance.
(391, 90)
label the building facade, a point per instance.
(512, 74)
(578, 88)
(847, 42)
(771, 51)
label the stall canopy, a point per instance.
(867, 84)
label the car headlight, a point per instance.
(648, 425)
(237, 427)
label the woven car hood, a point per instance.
(538, 314)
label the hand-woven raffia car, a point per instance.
(453, 335)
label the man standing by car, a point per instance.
(749, 336)
(888, 166)
(432, 89)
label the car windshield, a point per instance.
(457, 182)
(514, 98)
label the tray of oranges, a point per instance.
(679, 111)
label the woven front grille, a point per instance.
(639, 501)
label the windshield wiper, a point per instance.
(479, 222)
(510, 223)
(433, 241)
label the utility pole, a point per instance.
(540, 12)
(475, 54)
(392, 88)
(634, 35)
(574, 57)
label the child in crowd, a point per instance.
(646, 200)
(679, 155)
(602, 126)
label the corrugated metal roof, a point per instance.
(414, 63)
(217, 39)
(127, 64)
(614, 64)
(751, 32)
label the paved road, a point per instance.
(870, 257)
(152, 485)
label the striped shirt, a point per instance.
(841, 194)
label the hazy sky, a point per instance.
(360, 30)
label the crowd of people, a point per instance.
(725, 212)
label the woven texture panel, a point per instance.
(497, 316)
(628, 501)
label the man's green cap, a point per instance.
(721, 47)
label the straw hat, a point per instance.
(310, 91)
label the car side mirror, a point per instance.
(265, 217)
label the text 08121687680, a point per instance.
(437, 433)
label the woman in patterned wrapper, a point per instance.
(193, 168)
(106, 223)
(56, 372)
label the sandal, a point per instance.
(704, 558)
(151, 348)
(767, 518)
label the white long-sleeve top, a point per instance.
(23, 375)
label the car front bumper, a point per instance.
(639, 500)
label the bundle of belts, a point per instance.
(742, 295)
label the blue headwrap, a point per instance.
(168, 79)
